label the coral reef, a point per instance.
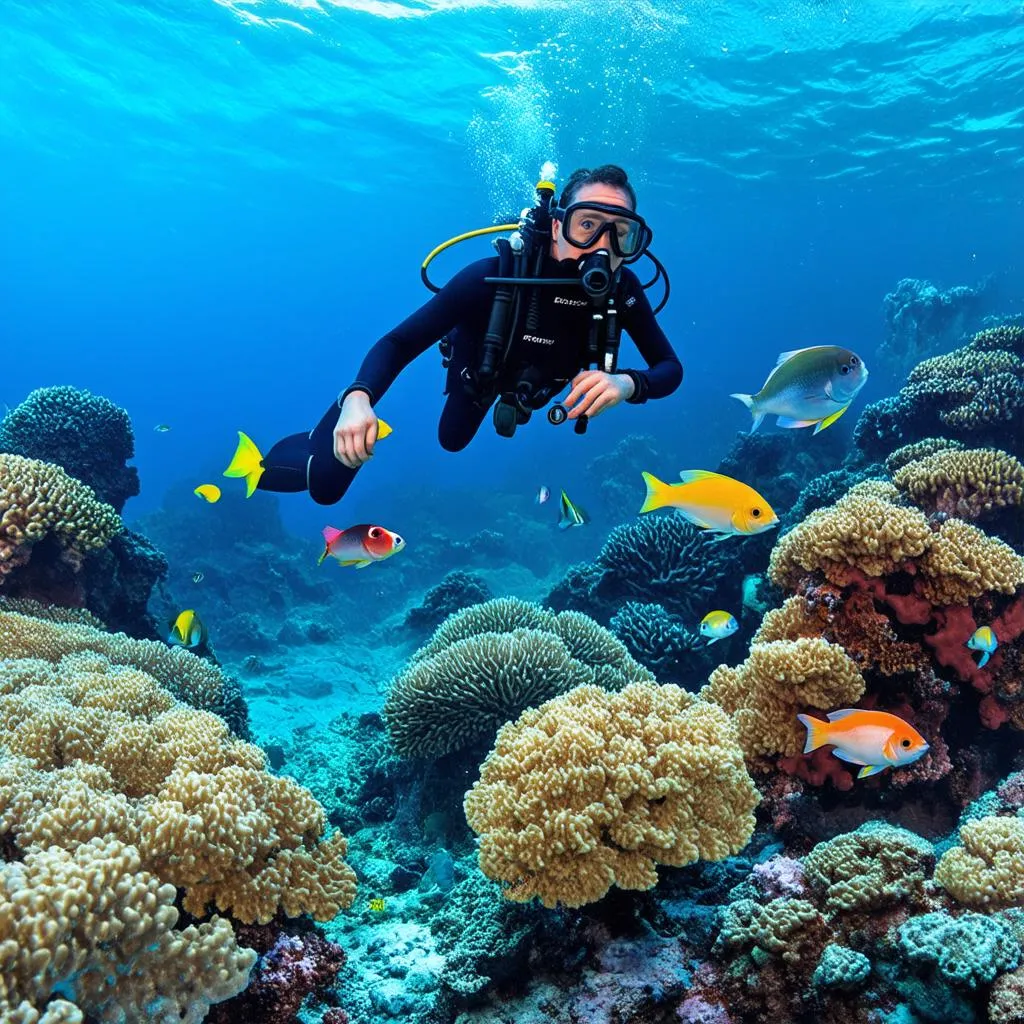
(459, 589)
(659, 640)
(593, 789)
(88, 435)
(488, 663)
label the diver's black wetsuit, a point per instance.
(554, 352)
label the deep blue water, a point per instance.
(210, 210)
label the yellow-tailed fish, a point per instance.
(874, 739)
(713, 502)
(247, 463)
(718, 625)
(571, 514)
(208, 492)
(809, 387)
(187, 630)
(983, 639)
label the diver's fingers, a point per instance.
(581, 383)
(605, 401)
(357, 440)
(589, 399)
(347, 455)
(371, 435)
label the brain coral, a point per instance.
(488, 663)
(594, 789)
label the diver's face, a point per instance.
(562, 250)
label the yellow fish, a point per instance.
(187, 630)
(377, 904)
(208, 492)
(713, 502)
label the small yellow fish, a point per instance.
(377, 904)
(713, 502)
(983, 639)
(247, 463)
(208, 492)
(717, 625)
(383, 429)
(187, 630)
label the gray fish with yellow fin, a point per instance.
(809, 387)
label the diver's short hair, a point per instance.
(606, 174)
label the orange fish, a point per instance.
(713, 502)
(874, 739)
(360, 545)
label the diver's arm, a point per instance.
(664, 370)
(418, 332)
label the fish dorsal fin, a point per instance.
(690, 476)
(331, 534)
(838, 716)
(783, 356)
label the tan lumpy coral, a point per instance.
(987, 871)
(919, 450)
(38, 499)
(93, 750)
(188, 677)
(873, 867)
(963, 562)
(94, 925)
(486, 664)
(594, 789)
(864, 530)
(967, 484)
(778, 680)
(867, 531)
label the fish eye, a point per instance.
(854, 360)
(374, 531)
(844, 369)
(756, 513)
(905, 743)
(398, 540)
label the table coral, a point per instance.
(594, 789)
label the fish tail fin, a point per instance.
(983, 660)
(748, 401)
(247, 463)
(657, 493)
(817, 732)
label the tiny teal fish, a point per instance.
(198, 577)
(161, 428)
(984, 639)
(717, 625)
(571, 514)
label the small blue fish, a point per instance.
(718, 625)
(984, 640)
(542, 495)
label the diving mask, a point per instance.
(584, 223)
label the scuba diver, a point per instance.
(515, 330)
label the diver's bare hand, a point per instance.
(596, 391)
(355, 433)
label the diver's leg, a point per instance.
(460, 420)
(302, 462)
